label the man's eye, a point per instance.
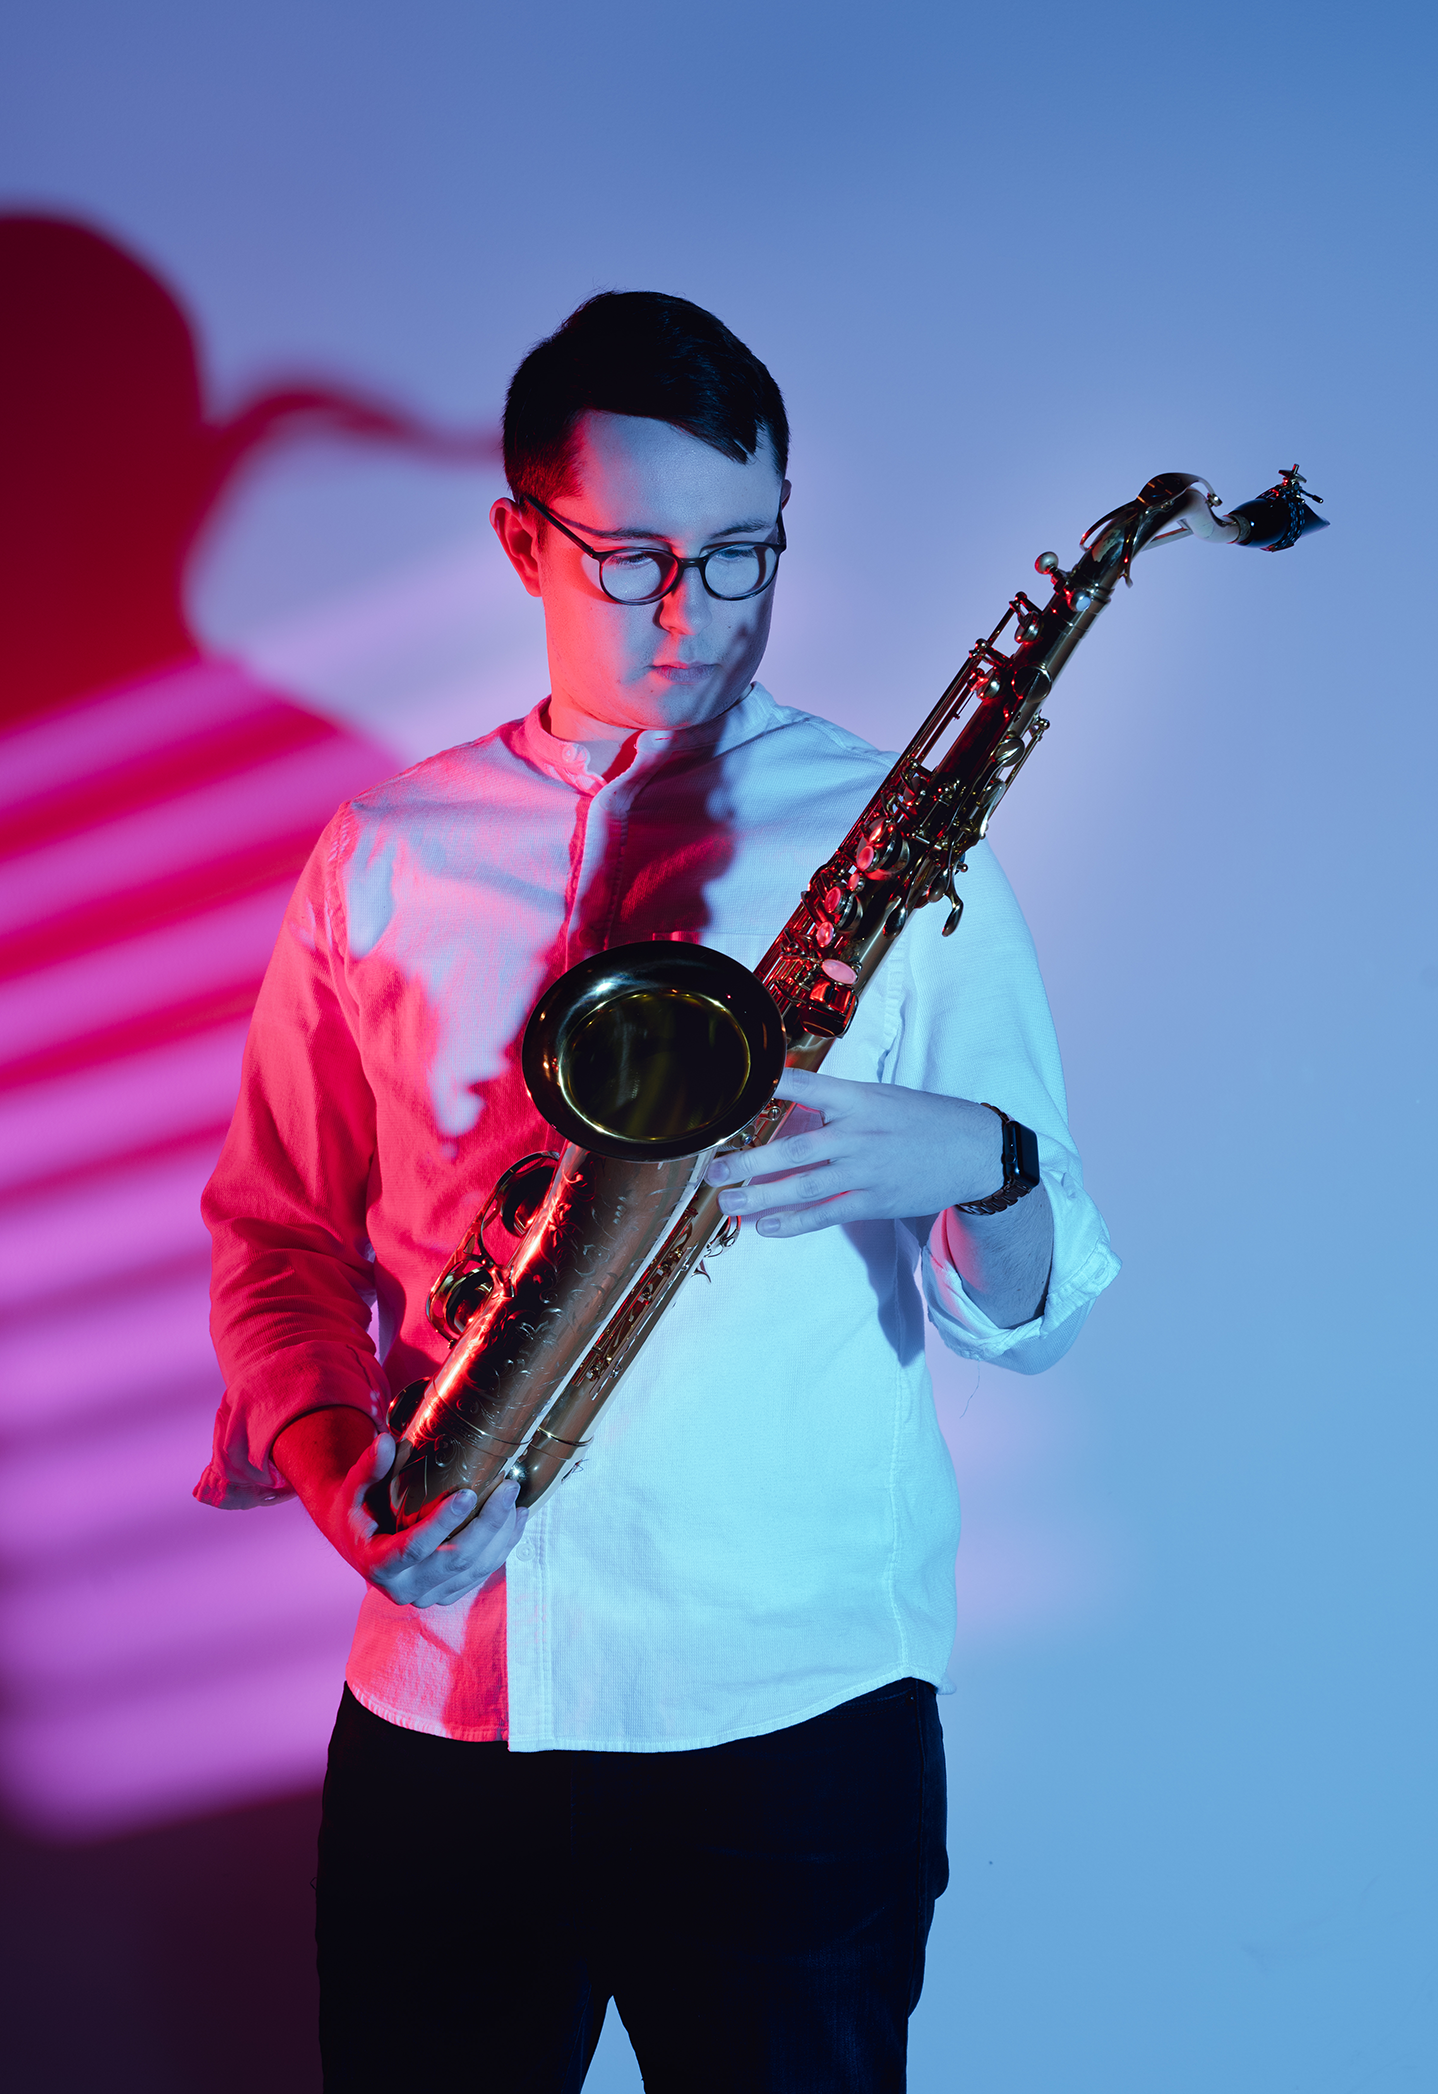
(632, 564)
(632, 577)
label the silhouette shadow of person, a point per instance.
(112, 465)
(156, 805)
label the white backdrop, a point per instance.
(1006, 263)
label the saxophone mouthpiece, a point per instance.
(1280, 516)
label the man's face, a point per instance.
(688, 657)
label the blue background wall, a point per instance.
(1005, 263)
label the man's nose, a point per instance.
(687, 608)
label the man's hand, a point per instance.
(882, 1154)
(334, 1460)
(886, 1154)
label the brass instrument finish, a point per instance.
(647, 1057)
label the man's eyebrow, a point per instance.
(632, 531)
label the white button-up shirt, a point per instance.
(765, 1523)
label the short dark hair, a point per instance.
(640, 353)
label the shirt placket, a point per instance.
(596, 890)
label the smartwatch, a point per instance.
(1020, 1154)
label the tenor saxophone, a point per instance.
(646, 1058)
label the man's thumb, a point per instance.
(372, 1466)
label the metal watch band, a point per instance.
(1020, 1154)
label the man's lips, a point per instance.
(684, 672)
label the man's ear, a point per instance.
(784, 494)
(516, 534)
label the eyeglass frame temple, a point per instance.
(680, 565)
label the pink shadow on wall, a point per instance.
(156, 1659)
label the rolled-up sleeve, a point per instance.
(292, 1278)
(976, 1024)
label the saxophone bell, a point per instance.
(653, 1051)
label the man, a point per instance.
(674, 1740)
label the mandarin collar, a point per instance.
(654, 746)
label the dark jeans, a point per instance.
(757, 1911)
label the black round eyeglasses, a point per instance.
(636, 574)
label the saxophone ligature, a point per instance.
(647, 1058)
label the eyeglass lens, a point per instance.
(730, 571)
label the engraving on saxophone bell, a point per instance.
(646, 1058)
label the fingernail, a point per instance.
(768, 1227)
(464, 1501)
(718, 1172)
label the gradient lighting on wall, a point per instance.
(156, 808)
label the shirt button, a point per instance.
(571, 754)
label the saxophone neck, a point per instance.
(1183, 505)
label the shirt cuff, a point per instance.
(241, 1473)
(1083, 1265)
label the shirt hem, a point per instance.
(405, 1719)
(537, 1742)
(494, 1733)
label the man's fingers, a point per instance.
(824, 1214)
(795, 1190)
(791, 1152)
(837, 1100)
(449, 1554)
(497, 1516)
(443, 1521)
(808, 1087)
(436, 1527)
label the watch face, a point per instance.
(1025, 1165)
(1019, 1161)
